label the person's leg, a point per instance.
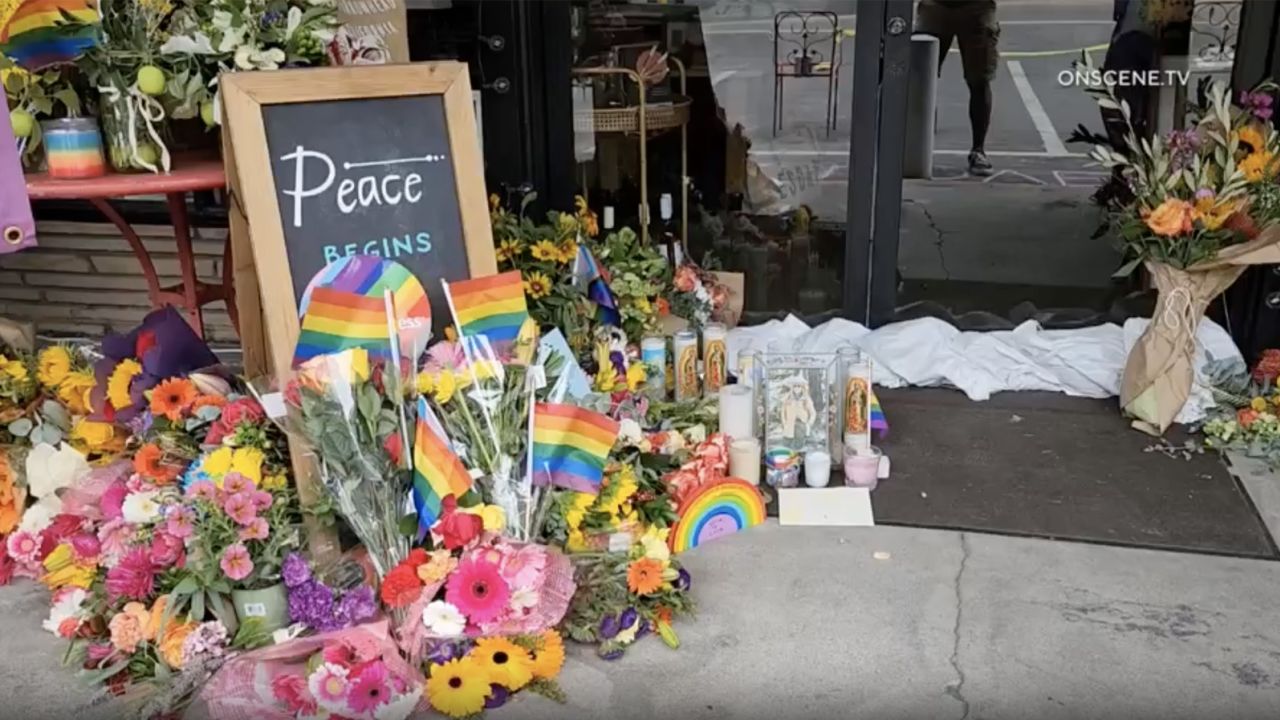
(932, 19)
(979, 39)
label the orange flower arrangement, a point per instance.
(644, 576)
(10, 503)
(1172, 217)
(204, 401)
(172, 397)
(149, 463)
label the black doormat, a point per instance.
(1052, 466)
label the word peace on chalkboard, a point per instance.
(337, 162)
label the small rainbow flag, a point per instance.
(588, 273)
(879, 422)
(35, 34)
(570, 446)
(337, 320)
(492, 307)
(437, 470)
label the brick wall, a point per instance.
(83, 279)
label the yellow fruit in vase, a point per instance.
(147, 154)
(151, 80)
(206, 113)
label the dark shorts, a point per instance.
(973, 24)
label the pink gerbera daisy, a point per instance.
(240, 507)
(477, 589)
(369, 689)
(328, 685)
(236, 563)
(23, 547)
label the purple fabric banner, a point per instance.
(17, 227)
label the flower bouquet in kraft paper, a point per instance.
(1203, 208)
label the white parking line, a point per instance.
(1052, 143)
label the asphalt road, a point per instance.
(1033, 113)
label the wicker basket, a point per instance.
(662, 116)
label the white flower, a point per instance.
(40, 516)
(524, 599)
(66, 607)
(141, 508)
(196, 43)
(293, 21)
(399, 708)
(629, 432)
(50, 468)
(443, 619)
(255, 58)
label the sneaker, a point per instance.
(979, 165)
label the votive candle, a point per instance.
(744, 460)
(737, 411)
(653, 353)
(73, 148)
(715, 358)
(684, 345)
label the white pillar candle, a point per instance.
(817, 468)
(744, 460)
(737, 410)
(653, 353)
(684, 346)
(715, 357)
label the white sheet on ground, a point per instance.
(928, 352)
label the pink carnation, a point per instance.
(167, 551)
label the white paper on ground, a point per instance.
(928, 352)
(831, 506)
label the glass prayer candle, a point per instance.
(73, 148)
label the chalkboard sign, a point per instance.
(391, 193)
(332, 162)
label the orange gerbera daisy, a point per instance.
(173, 396)
(149, 463)
(208, 401)
(549, 657)
(644, 576)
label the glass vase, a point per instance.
(129, 143)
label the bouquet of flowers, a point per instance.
(697, 296)
(350, 410)
(66, 380)
(322, 605)
(1193, 223)
(637, 277)
(347, 681)
(1247, 415)
(632, 500)
(241, 528)
(467, 676)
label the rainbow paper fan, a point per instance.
(720, 509)
(35, 34)
(344, 306)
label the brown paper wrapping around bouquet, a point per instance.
(1159, 371)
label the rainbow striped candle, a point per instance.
(570, 446)
(73, 148)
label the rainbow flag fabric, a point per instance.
(35, 34)
(492, 307)
(437, 470)
(337, 320)
(588, 273)
(879, 422)
(570, 446)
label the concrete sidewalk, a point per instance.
(805, 623)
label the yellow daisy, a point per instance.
(537, 285)
(508, 664)
(458, 688)
(568, 251)
(509, 249)
(545, 250)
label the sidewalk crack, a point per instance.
(955, 690)
(939, 234)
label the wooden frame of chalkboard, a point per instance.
(416, 139)
(434, 97)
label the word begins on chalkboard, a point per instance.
(362, 191)
(389, 248)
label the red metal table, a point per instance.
(192, 176)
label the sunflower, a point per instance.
(508, 664)
(94, 436)
(172, 397)
(53, 365)
(17, 370)
(545, 250)
(644, 576)
(549, 658)
(1252, 137)
(509, 249)
(120, 382)
(458, 688)
(1257, 166)
(537, 286)
(74, 391)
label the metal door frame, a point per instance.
(881, 62)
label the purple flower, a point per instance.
(611, 654)
(497, 697)
(1204, 194)
(296, 570)
(1258, 103)
(1182, 147)
(356, 606)
(629, 617)
(645, 629)
(311, 604)
(683, 580)
(609, 627)
(440, 652)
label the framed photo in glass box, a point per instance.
(800, 409)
